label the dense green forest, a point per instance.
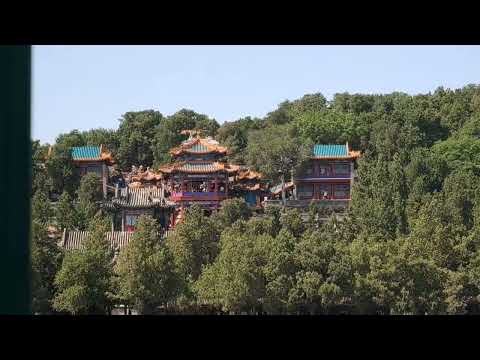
(410, 244)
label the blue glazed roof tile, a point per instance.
(330, 150)
(201, 167)
(85, 152)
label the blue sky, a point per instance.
(85, 87)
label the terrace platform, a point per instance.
(302, 204)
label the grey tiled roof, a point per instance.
(75, 240)
(141, 198)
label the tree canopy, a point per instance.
(146, 272)
(85, 280)
(409, 245)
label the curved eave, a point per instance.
(89, 159)
(107, 161)
(199, 172)
(219, 168)
(350, 157)
(186, 151)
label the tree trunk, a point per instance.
(294, 186)
(284, 201)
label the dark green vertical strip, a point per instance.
(15, 183)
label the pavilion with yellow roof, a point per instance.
(201, 175)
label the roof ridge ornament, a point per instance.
(192, 133)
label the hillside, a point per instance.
(410, 244)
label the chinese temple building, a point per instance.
(129, 204)
(250, 186)
(199, 175)
(327, 179)
(93, 159)
(138, 178)
(329, 174)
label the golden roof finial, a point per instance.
(192, 133)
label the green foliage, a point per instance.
(89, 196)
(279, 271)
(231, 211)
(40, 179)
(308, 103)
(108, 138)
(41, 209)
(168, 132)
(280, 116)
(276, 151)
(194, 243)
(46, 259)
(438, 230)
(135, 135)
(59, 165)
(66, 213)
(458, 153)
(85, 281)
(288, 111)
(409, 245)
(354, 103)
(145, 269)
(330, 127)
(291, 220)
(372, 199)
(414, 283)
(71, 139)
(234, 135)
(90, 189)
(471, 127)
(234, 281)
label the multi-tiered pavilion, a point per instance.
(200, 175)
(326, 180)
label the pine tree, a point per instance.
(146, 270)
(85, 280)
